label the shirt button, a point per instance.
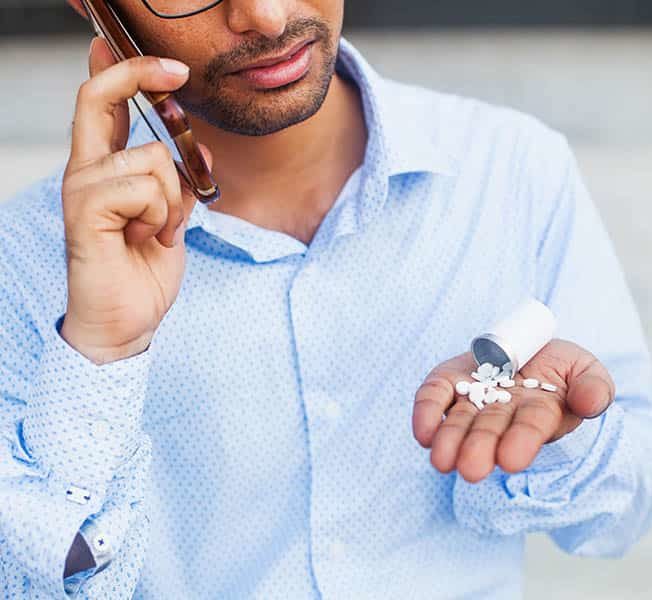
(332, 409)
(100, 543)
(336, 550)
(99, 429)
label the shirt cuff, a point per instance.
(83, 420)
(100, 549)
(573, 446)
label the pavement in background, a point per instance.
(594, 87)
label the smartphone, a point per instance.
(192, 166)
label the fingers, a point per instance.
(431, 400)
(450, 434)
(509, 435)
(78, 7)
(130, 197)
(591, 392)
(153, 159)
(535, 422)
(436, 395)
(94, 121)
(477, 454)
(100, 58)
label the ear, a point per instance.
(78, 7)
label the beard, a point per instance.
(266, 111)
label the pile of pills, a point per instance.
(491, 384)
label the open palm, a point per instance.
(509, 435)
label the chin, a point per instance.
(264, 112)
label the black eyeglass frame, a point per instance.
(183, 15)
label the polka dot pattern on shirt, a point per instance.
(262, 446)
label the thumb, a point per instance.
(100, 58)
(591, 392)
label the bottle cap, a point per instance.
(517, 337)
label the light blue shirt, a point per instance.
(262, 446)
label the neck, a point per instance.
(289, 180)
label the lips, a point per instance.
(268, 62)
(281, 70)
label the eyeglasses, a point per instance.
(177, 9)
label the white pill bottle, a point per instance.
(517, 337)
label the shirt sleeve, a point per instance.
(591, 490)
(71, 450)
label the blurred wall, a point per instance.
(593, 85)
(429, 13)
(18, 17)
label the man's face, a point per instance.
(219, 44)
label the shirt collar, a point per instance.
(405, 135)
(402, 129)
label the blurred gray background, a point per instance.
(582, 66)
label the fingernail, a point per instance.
(174, 66)
(90, 48)
(597, 414)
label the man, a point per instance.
(219, 402)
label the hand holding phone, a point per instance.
(167, 112)
(125, 213)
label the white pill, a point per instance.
(531, 383)
(491, 383)
(477, 376)
(476, 393)
(478, 404)
(548, 387)
(476, 397)
(486, 369)
(491, 396)
(504, 396)
(508, 367)
(495, 371)
(506, 382)
(463, 388)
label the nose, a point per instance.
(265, 17)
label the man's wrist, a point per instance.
(75, 337)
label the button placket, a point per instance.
(336, 550)
(326, 407)
(332, 409)
(323, 409)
